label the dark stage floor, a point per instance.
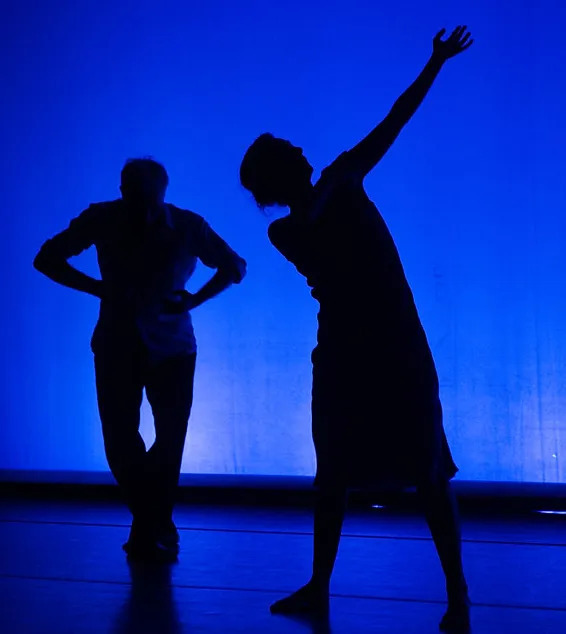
(62, 571)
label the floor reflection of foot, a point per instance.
(314, 624)
(306, 600)
(457, 618)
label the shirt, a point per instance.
(141, 264)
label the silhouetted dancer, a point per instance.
(376, 413)
(147, 251)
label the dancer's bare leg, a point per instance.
(441, 514)
(312, 598)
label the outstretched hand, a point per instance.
(458, 41)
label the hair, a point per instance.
(144, 177)
(261, 171)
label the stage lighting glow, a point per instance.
(472, 191)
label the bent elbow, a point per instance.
(40, 262)
(242, 270)
(45, 262)
(239, 271)
(235, 272)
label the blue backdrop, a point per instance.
(473, 192)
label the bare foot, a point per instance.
(307, 600)
(457, 617)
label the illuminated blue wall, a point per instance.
(473, 192)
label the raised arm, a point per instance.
(370, 150)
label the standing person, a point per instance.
(147, 251)
(376, 413)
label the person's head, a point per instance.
(143, 180)
(275, 171)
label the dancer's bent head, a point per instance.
(275, 171)
(143, 180)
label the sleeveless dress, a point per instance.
(376, 412)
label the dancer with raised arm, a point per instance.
(376, 412)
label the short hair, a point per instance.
(261, 170)
(145, 177)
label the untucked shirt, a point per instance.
(141, 264)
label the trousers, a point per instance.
(148, 478)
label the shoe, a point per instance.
(151, 551)
(169, 535)
(146, 543)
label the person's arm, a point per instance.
(52, 258)
(370, 150)
(230, 268)
(182, 301)
(60, 271)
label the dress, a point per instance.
(376, 412)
